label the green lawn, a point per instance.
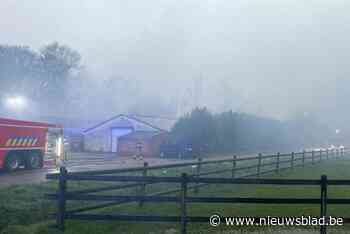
(24, 210)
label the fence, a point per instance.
(289, 160)
(187, 182)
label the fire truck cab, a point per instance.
(29, 144)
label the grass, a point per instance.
(23, 209)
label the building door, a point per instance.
(116, 133)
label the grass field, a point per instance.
(23, 209)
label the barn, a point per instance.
(126, 135)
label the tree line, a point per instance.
(240, 132)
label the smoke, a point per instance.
(272, 58)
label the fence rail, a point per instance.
(187, 182)
(305, 155)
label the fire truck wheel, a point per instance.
(34, 161)
(13, 162)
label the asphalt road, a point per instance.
(76, 162)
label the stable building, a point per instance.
(128, 135)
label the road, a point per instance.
(77, 162)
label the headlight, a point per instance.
(59, 146)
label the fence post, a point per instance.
(143, 186)
(259, 164)
(278, 162)
(198, 172)
(303, 159)
(320, 155)
(313, 156)
(61, 205)
(234, 164)
(183, 203)
(323, 202)
(292, 161)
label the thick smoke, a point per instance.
(272, 58)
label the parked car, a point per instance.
(179, 151)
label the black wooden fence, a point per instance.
(256, 164)
(187, 182)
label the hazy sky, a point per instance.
(271, 57)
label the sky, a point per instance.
(275, 58)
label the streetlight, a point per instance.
(16, 103)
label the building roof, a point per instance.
(155, 124)
(144, 135)
(163, 123)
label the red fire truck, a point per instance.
(28, 144)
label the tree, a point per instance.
(196, 128)
(58, 62)
(19, 70)
(225, 131)
(41, 77)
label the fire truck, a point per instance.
(29, 144)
